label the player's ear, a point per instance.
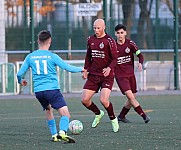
(125, 33)
(38, 41)
(115, 33)
(50, 41)
(104, 27)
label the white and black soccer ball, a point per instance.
(75, 127)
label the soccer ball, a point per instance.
(75, 127)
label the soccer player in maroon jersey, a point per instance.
(124, 73)
(100, 60)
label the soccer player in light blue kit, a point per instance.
(43, 64)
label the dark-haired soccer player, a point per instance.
(124, 73)
(100, 60)
(46, 87)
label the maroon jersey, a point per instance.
(125, 61)
(101, 53)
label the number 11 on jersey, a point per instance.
(44, 62)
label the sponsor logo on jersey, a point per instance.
(101, 45)
(127, 50)
(124, 59)
(98, 54)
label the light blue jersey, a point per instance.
(43, 64)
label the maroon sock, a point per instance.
(110, 111)
(93, 108)
(140, 111)
(124, 112)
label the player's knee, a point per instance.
(104, 102)
(85, 100)
(64, 111)
(85, 103)
(130, 97)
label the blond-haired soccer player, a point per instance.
(100, 60)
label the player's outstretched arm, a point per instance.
(65, 66)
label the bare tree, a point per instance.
(144, 25)
(127, 13)
(99, 13)
(127, 6)
(85, 26)
(170, 6)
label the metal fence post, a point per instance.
(176, 25)
(32, 24)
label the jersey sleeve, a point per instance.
(141, 58)
(136, 50)
(114, 54)
(24, 67)
(65, 66)
(88, 56)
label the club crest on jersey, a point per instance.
(101, 45)
(127, 50)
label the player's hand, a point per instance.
(83, 70)
(23, 82)
(140, 68)
(84, 74)
(106, 71)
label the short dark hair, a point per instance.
(44, 35)
(120, 26)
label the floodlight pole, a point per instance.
(32, 25)
(176, 32)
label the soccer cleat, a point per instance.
(147, 119)
(65, 137)
(123, 120)
(55, 138)
(115, 125)
(97, 119)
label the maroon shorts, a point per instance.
(95, 83)
(127, 83)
